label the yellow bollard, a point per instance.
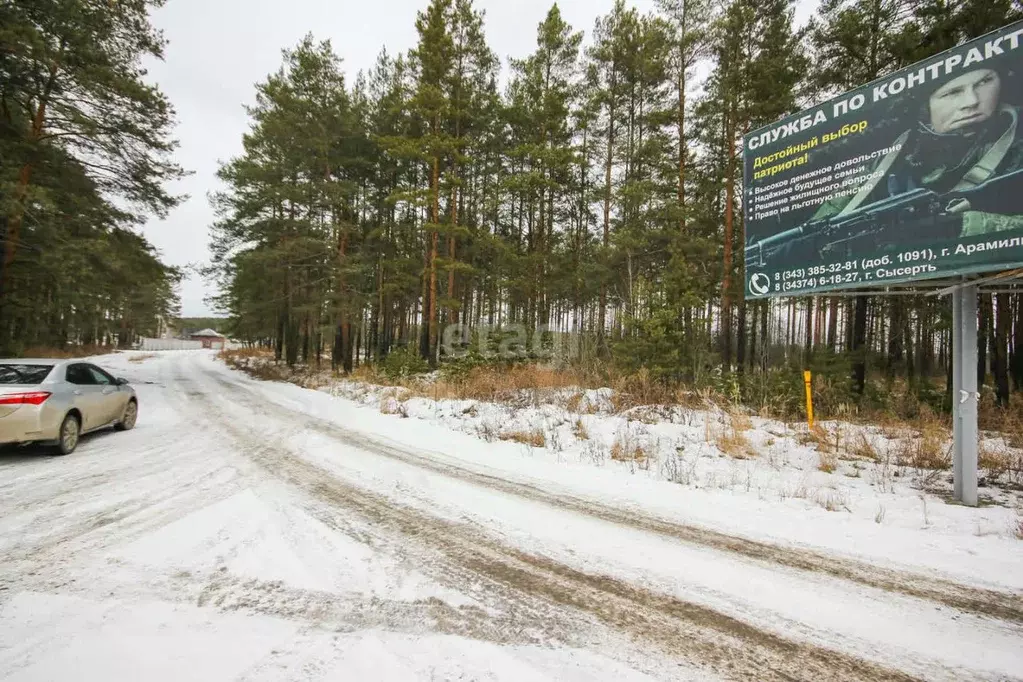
(809, 399)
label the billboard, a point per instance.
(916, 175)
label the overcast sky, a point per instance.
(218, 49)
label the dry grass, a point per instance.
(830, 441)
(827, 462)
(730, 438)
(817, 436)
(491, 384)
(269, 372)
(640, 388)
(734, 443)
(831, 500)
(369, 374)
(537, 384)
(579, 430)
(678, 468)
(925, 450)
(920, 442)
(484, 384)
(862, 448)
(1001, 463)
(1007, 420)
(259, 363)
(738, 420)
(893, 427)
(67, 352)
(245, 353)
(534, 438)
(625, 449)
(995, 460)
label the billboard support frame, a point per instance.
(863, 195)
(965, 393)
(965, 397)
(998, 277)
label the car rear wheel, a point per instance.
(131, 414)
(70, 432)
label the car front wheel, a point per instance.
(70, 431)
(131, 414)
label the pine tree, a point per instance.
(434, 62)
(291, 208)
(688, 27)
(596, 194)
(79, 131)
(468, 90)
(607, 57)
(544, 93)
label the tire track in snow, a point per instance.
(351, 613)
(59, 562)
(986, 602)
(684, 630)
(517, 621)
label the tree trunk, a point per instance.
(754, 329)
(808, 332)
(12, 234)
(1017, 345)
(681, 145)
(858, 346)
(832, 323)
(984, 337)
(291, 341)
(453, 312)
(740, 337)
(602, 311)
(765, 339)
(434, 239)
(726, 315)
(1001, 349)
(896, 335)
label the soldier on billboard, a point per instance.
(955, 173)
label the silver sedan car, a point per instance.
(56, 401)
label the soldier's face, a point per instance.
(966, 101)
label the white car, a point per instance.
(56, 401)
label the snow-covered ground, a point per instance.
(249, 530)
(759, 476)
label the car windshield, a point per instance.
(23, 374)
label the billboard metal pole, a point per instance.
(964, 394)
(957, 385)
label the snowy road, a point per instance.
(253, 531)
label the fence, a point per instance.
(171, 344)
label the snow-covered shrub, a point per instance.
(677, 468)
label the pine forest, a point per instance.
(583, 201)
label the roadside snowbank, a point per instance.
(721, 470)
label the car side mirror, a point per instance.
(121, 381)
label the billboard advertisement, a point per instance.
(914, 176)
